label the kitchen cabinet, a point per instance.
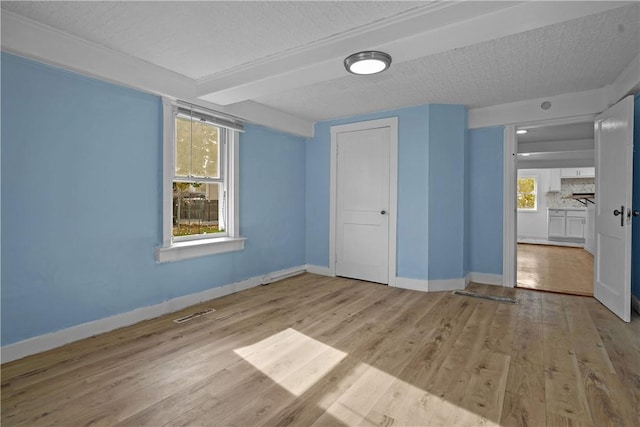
(556, 226)
(554, 180)
(578, 172)
(574, 227)
(566, 224)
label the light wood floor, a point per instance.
(555, 269)
(313, 350)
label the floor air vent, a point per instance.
(489, 297)
(193, 315)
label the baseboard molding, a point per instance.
(317, 269)
(635, 303)
(85, 330)
(431, 285)
(547, 242)
(485, 278)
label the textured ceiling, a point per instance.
(577, 55)
(198, 39)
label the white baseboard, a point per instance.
(59, 338)
(283, 274)
(430, 285)
(317, 269)
(635, 303)
(485, 278)
(545, 241)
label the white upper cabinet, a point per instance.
(578, 172)
(554, 180)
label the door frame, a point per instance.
(392, 124)
(510, 174)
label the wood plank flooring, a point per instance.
(555, 269)
(314, 350)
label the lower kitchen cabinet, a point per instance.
(566, 224)
(575, 227)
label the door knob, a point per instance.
(383, 212)
(635, 213)
(620, 212)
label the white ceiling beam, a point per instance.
(30, 39)
(582, 106)
(628, 82)
(433, 29)
(551, 146)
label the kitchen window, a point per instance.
(527, 194)
(200, 183)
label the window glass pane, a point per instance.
(183, 147)
(526, 197)
(197, 151)
(197, 209)
(204, 150)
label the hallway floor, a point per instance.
(556, 269)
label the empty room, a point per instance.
(381, 213)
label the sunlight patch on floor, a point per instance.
(292, 360)
(364, 395)
(373, 397)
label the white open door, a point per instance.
(614, 170)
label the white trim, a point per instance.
(572, 106)
(59, 338)
(509, 207)
(198, 248)
(168, 132)
(283, 274)
(510, 173)
(392, 124)
(627, 82)
(320, 270)
(233, 184)
(176, 249)
(635, 303)
(423, 285)
(485, 278)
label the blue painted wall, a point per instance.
(81, 203)
(447, 135)
(484, 199)
(429, 137)
(635, 239)
(412, 236)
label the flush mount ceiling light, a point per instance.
(368, 62)
(521, 131)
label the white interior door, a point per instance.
(614, 163)
(362, 215)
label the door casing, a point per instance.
(392, 124)
(510, 174)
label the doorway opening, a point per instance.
(555, 198)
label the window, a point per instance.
(200, 212)
(527, 197)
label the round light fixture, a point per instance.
(521, 131)
(368, 62)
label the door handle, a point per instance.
(620, 212)
(383, 212)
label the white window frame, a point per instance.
(536, 191)
(186, 247)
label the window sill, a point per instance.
(198, 248)
(528, 210)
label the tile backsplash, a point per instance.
(568, 186)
